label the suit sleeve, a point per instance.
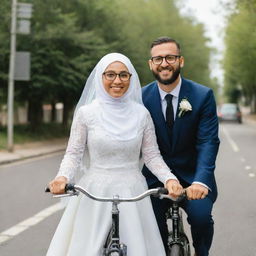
(207, 143)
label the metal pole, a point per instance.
(11, 76)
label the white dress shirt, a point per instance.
(175, 97)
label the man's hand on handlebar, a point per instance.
(174, 188)
(196, 191)
(57, 186)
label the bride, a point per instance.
(111, 130)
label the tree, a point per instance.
(240, 56)
(4, 48)
(62, 55)
(69, 37)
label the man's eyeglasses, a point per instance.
(111, 76)
(157, 60)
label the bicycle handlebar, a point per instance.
(72, 190)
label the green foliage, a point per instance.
(69, 37)
(4, 48)
(240, 56)
(24, 133)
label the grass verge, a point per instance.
(24, 133)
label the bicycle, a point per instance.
(178, 242)
(113, 246)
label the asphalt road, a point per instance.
(235, 208)
(22, 198)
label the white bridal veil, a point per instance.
(95, 79)
(118, 116)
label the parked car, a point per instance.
(230, 112)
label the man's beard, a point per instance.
(170, 80)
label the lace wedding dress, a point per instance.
(113, 169)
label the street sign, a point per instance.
(23, 27)
(24, 10)
(22, 66)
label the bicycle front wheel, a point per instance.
(176, 250)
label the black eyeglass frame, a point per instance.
(112, 72)
(172, 55)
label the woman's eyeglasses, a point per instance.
(111, 76)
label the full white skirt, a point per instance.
(85, 223)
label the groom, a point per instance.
(186, 127)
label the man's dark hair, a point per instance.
(163, 40)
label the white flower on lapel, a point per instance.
(184, 106)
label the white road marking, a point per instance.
(24, 225)
(230, 140)
(251, 175)
(248, 167)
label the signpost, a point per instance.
(23, 11)
(11, 76)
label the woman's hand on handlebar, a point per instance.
(57, 186)
(174, 188)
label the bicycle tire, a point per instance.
(185, 245)
(183, 237)
(181, 224)
(107, 243)
(176, 250)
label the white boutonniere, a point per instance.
(184, 107)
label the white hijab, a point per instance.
(118, 116)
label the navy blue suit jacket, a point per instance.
(191, 151)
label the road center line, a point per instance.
(230, 140)
(24, 225)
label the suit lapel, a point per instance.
(184, 94)
(158, 117)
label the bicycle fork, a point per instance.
(114, 245)
(175, 237)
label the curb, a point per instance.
(249, 120)
(21, 158)
(32, 150)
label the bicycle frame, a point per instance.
(113, 241)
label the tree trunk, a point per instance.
(253, 105)
(66, 110)
(53, 114)
(35, 113)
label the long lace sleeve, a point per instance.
(75, 149)
(151, 154)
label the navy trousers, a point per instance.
(199, 218)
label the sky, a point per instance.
(212, 15)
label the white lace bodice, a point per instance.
(107, 153)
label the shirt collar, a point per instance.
(175, 92)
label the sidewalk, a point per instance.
(249, 118)
(33, 149)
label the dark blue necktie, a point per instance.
(169, 113)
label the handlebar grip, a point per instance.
(47, 190)
(68, 187)
(163, 191)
